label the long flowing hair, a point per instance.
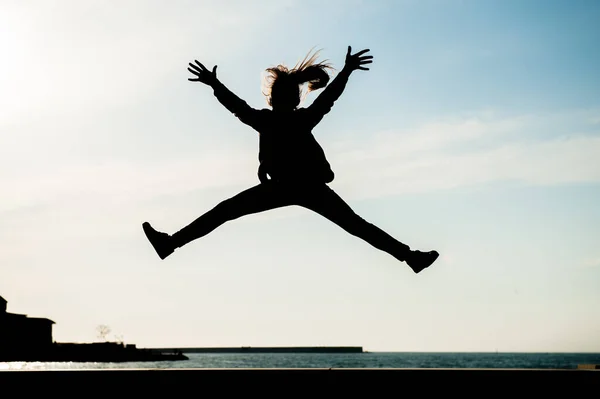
(306, 71)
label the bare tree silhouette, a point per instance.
(103, 331)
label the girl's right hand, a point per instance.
(202, 74)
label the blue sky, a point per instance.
(476, 132)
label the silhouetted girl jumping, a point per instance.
(293, 168)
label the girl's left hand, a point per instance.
(356, 61)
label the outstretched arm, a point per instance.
(323, 104)
(233, 103)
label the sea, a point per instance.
(407, 360)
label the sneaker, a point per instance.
(160, 241)
(418, 260)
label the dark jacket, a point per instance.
(288, 151)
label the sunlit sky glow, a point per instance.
(476, 132)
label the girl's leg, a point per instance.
(253, 200)
(324, 201)
(256, 199)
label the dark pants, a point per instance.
(270, 195)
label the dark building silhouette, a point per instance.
(29, 339)
(19, 332)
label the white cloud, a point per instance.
(591, 262)
(435, 156)
(530, 149)
(88, 58)
(120, 182)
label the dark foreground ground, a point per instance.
(307, 383)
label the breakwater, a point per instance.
(281, 349)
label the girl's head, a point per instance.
(284, 85)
